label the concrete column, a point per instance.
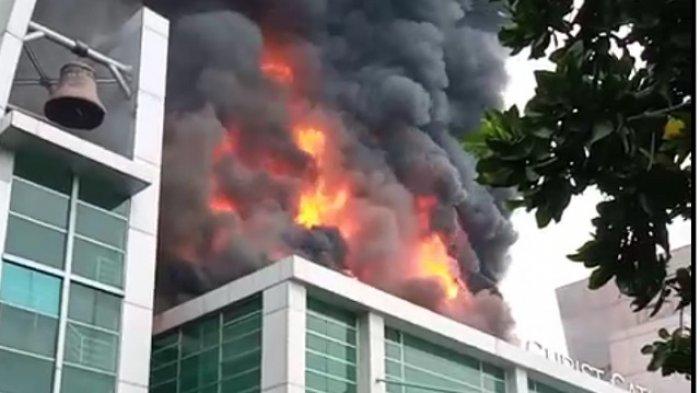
(14, 19)
(150, 31)
(284, 338)
(370, 365)
(516, 380)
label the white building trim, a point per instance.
(350, 293)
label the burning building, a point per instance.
(330, 130)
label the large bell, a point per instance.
(74, 102)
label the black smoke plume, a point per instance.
(400, 81)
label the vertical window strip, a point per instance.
(238, 371)
(51, 220)
(488, 382)
(331, 351)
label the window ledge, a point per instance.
(20, 131)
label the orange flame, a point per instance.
(435, 262)
(311, 140)
(319, 204)
(328, 198)
(218, 202)
(431, 254)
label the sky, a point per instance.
(539, 255)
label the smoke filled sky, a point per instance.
(330, 129)
(539, 255)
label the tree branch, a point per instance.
(659, 112)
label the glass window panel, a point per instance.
(394, 388)
(24, 374)
(316, 381)
(43, 170)
(331, 348)
(165, 340)
(242, 382)
(35, 242)
(392, 334)
(393, 368)
(94, 307)
(340, 369)
(39, 203)
(418, 361)
(242, 309)
(100, 226)
(27, 331)
(101, 193)
(315, 324)
(16, 285)
(332, 312)
(315, 362)
(163, 374)
(241, 345)
(79, 380)
(538, 387)
(425, 355)
(492, 385)
(239, 364)
(340, 332)
(162, 356)
(242, 327)
(493, 371)
(200, 335)
(427, 379)
(199, 370)
(170, 387)
(98, 263)
(392, 351)
(91, 347)
(30, 289)
(335, 386)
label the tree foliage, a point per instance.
(606, 119)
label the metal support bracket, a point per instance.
(120, 71)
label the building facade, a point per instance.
(601, 329)
(296, 326)
(78, 209)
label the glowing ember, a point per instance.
(221, 204)
(277, 71)
(225, 147)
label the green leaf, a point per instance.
(600, 277)
(601, 129)
(540, 45)
(513, 204)
(543, 216)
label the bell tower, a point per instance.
(82, 94)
